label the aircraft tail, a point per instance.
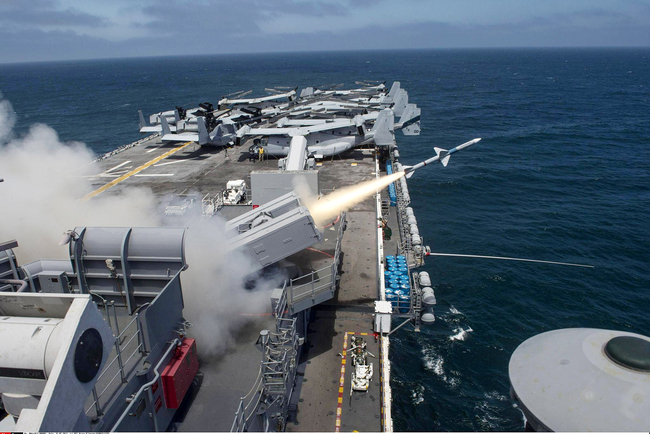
(388, 99)
(142, 121)
(361, 129)
(410, 120)
(400, 102)
(383, 131)
(394, 89)
(165, 126)
(241, 133)
(177, 116)
(203, 131)
(307, 92)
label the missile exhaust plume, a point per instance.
(328, 207)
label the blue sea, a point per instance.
(562, 174)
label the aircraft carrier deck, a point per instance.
(322, 399)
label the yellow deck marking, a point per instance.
(339, 409)
(133, 172)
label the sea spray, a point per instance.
(327, 207)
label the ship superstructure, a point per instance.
(317, 358)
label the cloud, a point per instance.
(221, 26)
(39, 13)
(209, 22)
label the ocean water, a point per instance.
(562, 174)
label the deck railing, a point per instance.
(274, 384)
(318, 281)
(121, 346)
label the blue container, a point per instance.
(389, 291)
(403, 279)
(404, 303)
(390, 258)
(395, 287)
(393, 278)
(403, 270)
(387, 274)
(405, 289)
(401, 257)
(391, 297)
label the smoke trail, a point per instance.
(327, 207)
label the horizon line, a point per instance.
(577, 47)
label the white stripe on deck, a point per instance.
(169, 162)
(157, 147)
(118, 166)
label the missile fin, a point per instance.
(407, 171)
(445, 160)
(440, 151)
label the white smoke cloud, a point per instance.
(216, 300)
(7, 119)
(43, 181)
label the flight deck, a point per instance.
(303, 191)
(324, 401)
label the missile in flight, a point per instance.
(442, 155)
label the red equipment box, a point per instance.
(179, 373)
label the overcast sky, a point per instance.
(74, 29)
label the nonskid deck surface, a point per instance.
(332, 324)
(188, 168)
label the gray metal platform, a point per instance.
(191, 169)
